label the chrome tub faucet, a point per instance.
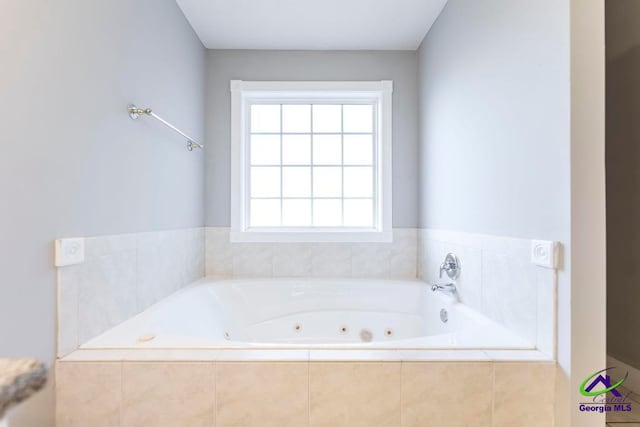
(447, 287)
(451, 266)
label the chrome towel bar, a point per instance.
(135, 112)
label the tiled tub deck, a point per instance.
(124, 275)
(300, 388)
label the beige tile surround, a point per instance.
(124, 274)
(394, 260)
(301, 394)
(121, 276)
(498, 279)
(245, 388)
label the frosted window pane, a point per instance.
(358, 118)
(327, 118)
(358, 149)
(265, 182)
(327, 149)
(327, 213)
(327, 182)
(265, 118)
(265, 213)
(265, 149)
(296, 118)
(312, 165)
(358, 213)
(296, 182)
(358, 182)
(296, 213)
(296, 149)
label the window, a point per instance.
(311, 161)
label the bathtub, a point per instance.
(309, 313)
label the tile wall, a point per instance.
(498, 279)
(376, 260)
(122, 275)
(125, 274)
(297, 394)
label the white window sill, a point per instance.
(312, 237)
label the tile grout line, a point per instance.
(554, 334)
(77, 319)
(493, 394)
(121, 421)
(554, 395)
(137, 275)
(215, 393)
(537, 286)
(309, 388)
(482, 310)
(402, 363)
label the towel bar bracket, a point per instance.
(135, 112)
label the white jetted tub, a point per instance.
(309, 313)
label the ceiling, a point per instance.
(313, 25)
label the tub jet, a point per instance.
(366, 335)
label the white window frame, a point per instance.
(245, 92)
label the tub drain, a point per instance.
(388, 332)
(227, 336)
(297, 327)
(366, 335)
(344, 330)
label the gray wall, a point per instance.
(494, 119)
(72, 162)
(495, 137)
(226, 65)
(623, 180)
